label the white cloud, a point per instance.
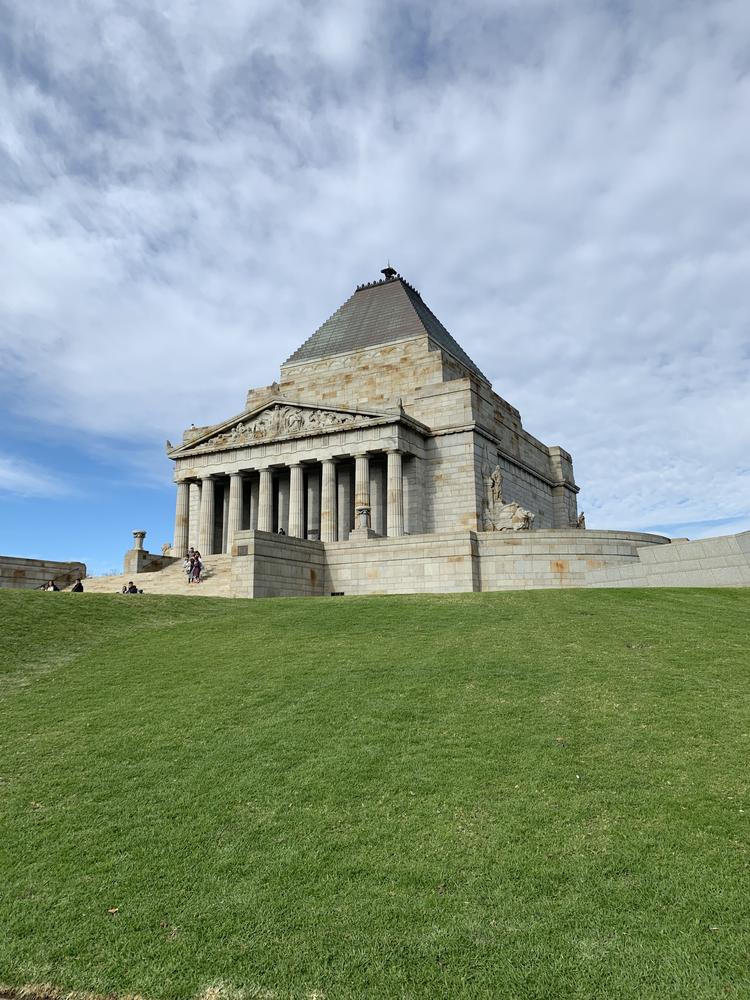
(27, 480)
(191, 191)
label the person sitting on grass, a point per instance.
(77, 587)
(51, 586)
(132, 589)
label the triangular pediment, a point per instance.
(280, 418)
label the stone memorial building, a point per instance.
(380, 411)
(382, 461)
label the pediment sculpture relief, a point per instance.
(280, 421)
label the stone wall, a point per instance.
(707, 562)
(32, 573)
(450, 497)
(373, 377)
(267, 565)
(418, 564)
(533, 560)
(143, 561)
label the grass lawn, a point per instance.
(532, 795)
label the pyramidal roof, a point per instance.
(380, 312)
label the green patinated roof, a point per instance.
(380, 313)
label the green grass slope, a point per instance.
(534, 795)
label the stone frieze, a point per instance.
(280, 421)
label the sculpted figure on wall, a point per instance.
(492, 502)
(496, 485)
(513, 517)
(280, 421)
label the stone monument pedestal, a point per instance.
(362, 534)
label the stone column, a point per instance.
(361, 481)
(296, 502)
(283, 508)
(182, 520)
(328, 532)
(414, 513)
(395, 489)
(344, 506)
(377, 498)
(235, 508)
(254, 502)
(265, 501)
(313, 504)
(225, 519)
(207, 515)
(195, 514)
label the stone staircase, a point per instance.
(217, 579)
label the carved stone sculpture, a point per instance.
(581, 522)
(363, 513)
(492, 503)
(513, 517)
(280, 421)
(507, 517)
(496, 485)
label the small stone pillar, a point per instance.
(362, 530)
(137, 557)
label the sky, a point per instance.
(188, 190)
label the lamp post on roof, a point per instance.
(389, 272)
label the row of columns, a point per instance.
(332, 496)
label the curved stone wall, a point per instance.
(555, 557)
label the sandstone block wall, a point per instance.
(450, 483)
(533, 560)
(423, 564)
(267, 565)
(371, 377)
(529, 489)
(32, 573)
(442, 404)
(707, 562)
(143, 561)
